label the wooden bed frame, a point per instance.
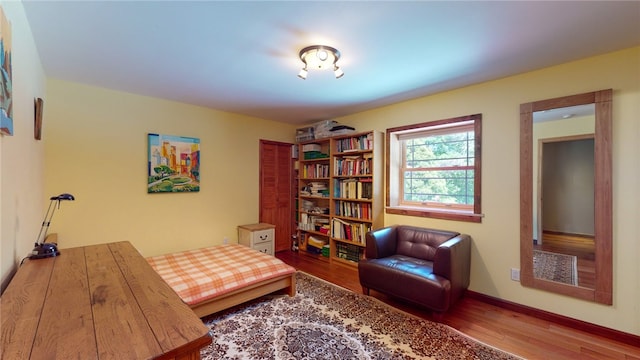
(286, 283)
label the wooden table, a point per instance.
(96, 302)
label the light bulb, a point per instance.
(322, 55)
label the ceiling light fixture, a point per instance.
(320, 57)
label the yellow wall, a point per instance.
(496, 244)
(21, 156)
(96, 149)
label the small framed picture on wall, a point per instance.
(6, 76)
(38, 104)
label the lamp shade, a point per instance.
(63, 196)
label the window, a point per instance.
(433, 169)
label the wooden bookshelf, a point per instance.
(340, 193)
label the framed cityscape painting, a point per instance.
(173, 164)
(6, 85)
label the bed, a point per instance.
(215, 278)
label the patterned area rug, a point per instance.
(324, 321)
(555, 267)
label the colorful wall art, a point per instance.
(6, 86)
(173, 164)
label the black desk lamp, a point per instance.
(44, 250)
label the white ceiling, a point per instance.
(242, 56)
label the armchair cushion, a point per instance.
(421, 244)
(424, 266)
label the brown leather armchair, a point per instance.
(424, 266)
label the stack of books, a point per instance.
(325, 251)
(313, 151)
(318, 189)
(315, 245)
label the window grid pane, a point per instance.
(426, 177)
(447, 187)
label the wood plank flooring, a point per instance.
(510, 331)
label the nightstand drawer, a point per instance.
(265, 247)
(261, 236)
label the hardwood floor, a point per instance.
(511, 331)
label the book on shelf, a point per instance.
(356, 143)
(361, 188)
(310, 222)
(351, 209)
(348, 252)
(313, 171)
(303, 223)
(350, 166)
(351, 231)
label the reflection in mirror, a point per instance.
(563, 216)
(565, 193)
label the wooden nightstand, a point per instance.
(257, 236)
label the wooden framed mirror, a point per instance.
(561, 227)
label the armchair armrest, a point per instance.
(453, 261)
(381, 243)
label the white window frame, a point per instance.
(395, 203)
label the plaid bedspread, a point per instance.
(202, 274)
